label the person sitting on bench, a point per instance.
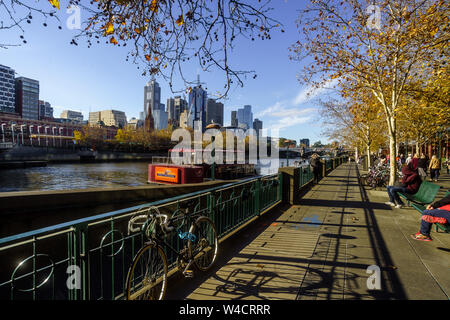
(438, 212)
(410, 184)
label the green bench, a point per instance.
(421, 208)
(424, 196)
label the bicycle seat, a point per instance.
(187, 204)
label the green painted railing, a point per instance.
(306, 176)
(88, 259)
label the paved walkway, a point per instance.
(322, 248)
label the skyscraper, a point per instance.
(7, 91)
(27, 98)
(152, 102)
(245, 116)
(170, 110)
(197, 107)
(180, 105)
(234, 120)
(214, 112)
(257, 125)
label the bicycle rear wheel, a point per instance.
(147, 276)
(205, 247)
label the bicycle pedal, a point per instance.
(188, 274)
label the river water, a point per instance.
(88, 175)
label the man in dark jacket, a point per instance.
(438, 212)
(315, 164)
(410, 184)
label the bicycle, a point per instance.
(147, 276)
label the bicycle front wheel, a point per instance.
(205, 247)
(147, 276)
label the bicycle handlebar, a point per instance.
(138, 222)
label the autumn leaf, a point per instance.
(147, 57)
(154, 6)
(180, 20)
(113, 40)
(109, 28)
(54, 3)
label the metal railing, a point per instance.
(306, 176)
(88, 259)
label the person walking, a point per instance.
(434, 166)
(315, 164)
(422, 167)
(415, 161)
(408, 160)
(438, 212)
(410, 184)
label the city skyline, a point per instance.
(277, 97)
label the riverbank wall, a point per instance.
(57, 155)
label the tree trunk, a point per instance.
(369, 160)
(392, 155)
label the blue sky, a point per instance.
(98, 78)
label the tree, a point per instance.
(357, 119)
(317, 144)
(165, 35)
(350, 44)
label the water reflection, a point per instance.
(74, 176)
(90, 175)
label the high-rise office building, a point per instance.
(305, 142)
(45, 110)
(214, 112)
(27, 98)
(170, 103)
(161, 119)
(74, 116)
(7, 90)
(152, 101)
(245, 117)
(234, 120)
(197, 107)
(257, 125)
(180, 105)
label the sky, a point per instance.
(98, 78)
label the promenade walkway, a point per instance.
(322, 248)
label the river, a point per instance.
(88, 175)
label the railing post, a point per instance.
(280, 186)
(81, 253)
(258, 197)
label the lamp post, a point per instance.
(213, 155)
